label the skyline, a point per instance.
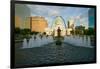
(78, 14)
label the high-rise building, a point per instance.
(22, 11)
(17, 22)
(83, 19)
(38, 24)
(91, 17)
(27, 23)
(71, 24)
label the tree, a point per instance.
(17, 30)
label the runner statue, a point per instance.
(58, 32)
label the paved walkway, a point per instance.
(52, 53)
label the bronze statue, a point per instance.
(58, 32)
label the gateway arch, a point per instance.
(59, 23)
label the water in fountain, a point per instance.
(89, 41)
(50, 39)
(24, 43)
(37, 42)
(78, 41)
(34, 42)
(45, 40)
(30, 43)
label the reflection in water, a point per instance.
(59, 49)
(58, 42)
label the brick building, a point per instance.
(38, 24)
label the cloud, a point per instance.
(54, 13)
(38, 10)
(49, 12)
(45, 10)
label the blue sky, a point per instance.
(79, 14)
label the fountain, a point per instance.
(83, 41)
(30, 43)
(37, 42)
(24, 43)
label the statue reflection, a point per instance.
(59, 47)
(58, 39)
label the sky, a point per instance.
(78, 14)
